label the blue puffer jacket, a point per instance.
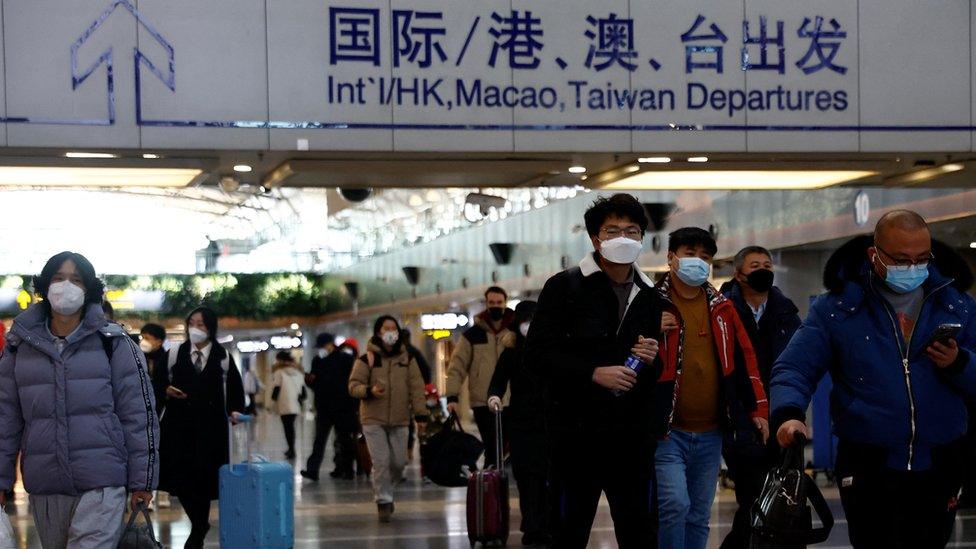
(80, 421)
(882, 395)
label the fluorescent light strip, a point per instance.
(654, 159)
(89, 155)
(736, 180)
(40, 176)
(698, 159)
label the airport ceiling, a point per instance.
(439, 170)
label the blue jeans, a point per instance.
(687, 471)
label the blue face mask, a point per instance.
(905, 279)
(693, 271)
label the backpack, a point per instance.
(781, 518)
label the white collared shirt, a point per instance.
(758, 311)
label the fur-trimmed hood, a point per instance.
(849, 264)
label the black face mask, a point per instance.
(496, 313)
(760, 280)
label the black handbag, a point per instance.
(139, 536)
(450, 456)
(781, 517)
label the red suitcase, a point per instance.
(488, 507)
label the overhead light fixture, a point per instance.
(577, 169)
(972, 244)
(697, 159)
(737, 180)
(242, 168)
(44, 176)
(294, 326)
(654, 159)
(415, 201)
(923, 175)
(150, 156)
(89, 155)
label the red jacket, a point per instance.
(743, 396)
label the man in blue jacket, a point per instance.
(898, 401)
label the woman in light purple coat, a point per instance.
(77, 403)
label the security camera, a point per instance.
(355, 195)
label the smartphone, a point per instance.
(943, 333)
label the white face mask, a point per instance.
(390, 338)
(621, 250)
(323, 353)
(146, 346)
(65, 297)
(198, 336)
(524, 328)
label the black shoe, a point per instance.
(385, 511)
(195, 541)
(536, 539)
(309, 476)
(335, 473)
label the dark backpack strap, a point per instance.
(107, 345)
(819, 504)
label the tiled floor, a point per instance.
(341, 514)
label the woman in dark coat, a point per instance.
(194, 433)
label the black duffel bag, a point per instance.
(781, 517)
(450, 456)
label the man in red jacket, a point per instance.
(712, 379)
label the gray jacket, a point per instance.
(80, 420)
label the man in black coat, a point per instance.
(334, 407)
(600, 413)
(770, 319)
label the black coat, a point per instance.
(775, 329)
(576, 329)
(158, 364)
(526, 409)
(331, 383)
(193, 431)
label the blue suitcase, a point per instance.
(257, 502)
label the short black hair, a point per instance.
(154, 330)
(94, 288)
(209, 320)
(496, 290)
(740, 257)
(692, 237)
(323, 339)
(284, 356)
(619, 205)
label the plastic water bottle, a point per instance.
(634, 363)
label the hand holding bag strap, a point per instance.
(145, 513)
(819, 504)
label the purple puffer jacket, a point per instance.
(80, 421)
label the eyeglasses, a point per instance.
(614, 232)
(917, 262)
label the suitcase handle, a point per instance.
(244, 420)
(499, 441)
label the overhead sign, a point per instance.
(442, 321)
(618, 75)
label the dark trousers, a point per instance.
(345, 427)
(530, 465)
(898, 509)
(197, 509)
(748, 472)
(288, 422)
(618, 466)
(484, 418)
